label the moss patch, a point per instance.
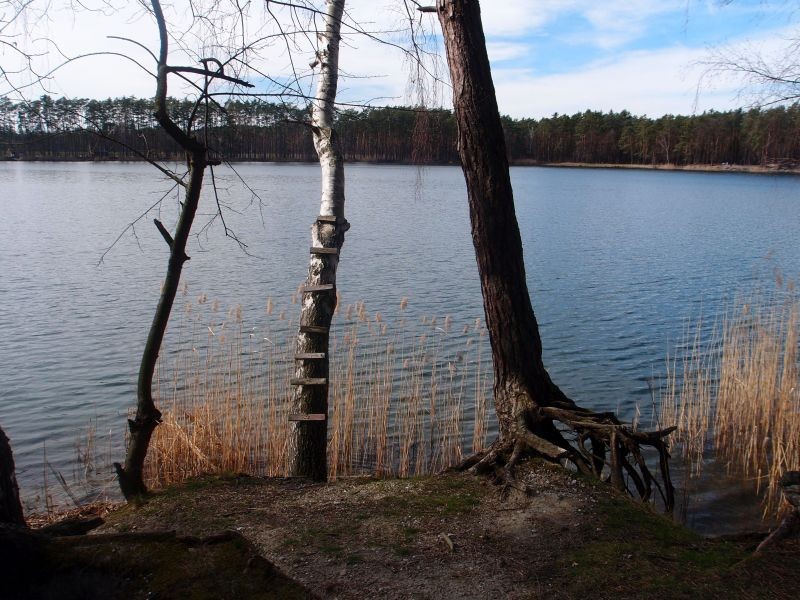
(636, 553)
(447, 496)
(155, 566)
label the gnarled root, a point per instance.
(615, 451)
(498, 463)
(501, 458)
(790, 525)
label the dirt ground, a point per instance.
(389, 538)
(458, 536)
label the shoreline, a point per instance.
(697, 168)
(449, 535)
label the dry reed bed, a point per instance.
(404, 400)
(736, 392)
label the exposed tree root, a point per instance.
(615, 451)
(790, 525)
(535, 417)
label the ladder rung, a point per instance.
(308, 381)
(310, 356)
(316, 250)
(308, 417)
(313, 329)
(323, 287)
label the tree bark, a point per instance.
(10, 506)
(131, 475)
(309, 431)
(527, 402)
(520, 379)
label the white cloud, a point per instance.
(502, 51)
(368, 69)
(653, 82)
(617, 22)
(611, 22)
(517, 17)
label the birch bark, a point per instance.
(309, 431)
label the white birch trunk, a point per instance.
(308, 439)
(325, 141)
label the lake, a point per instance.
(617, 262)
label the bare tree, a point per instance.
(131, 479)
(17, 60)
(534, 415)
(225, 26)
(765, 78)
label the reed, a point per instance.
(737, 395)
(404, 399)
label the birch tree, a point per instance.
(311, 382)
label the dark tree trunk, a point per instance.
(10, 507)
(131, 475)
(141, 427)
(521, 381)
(527, 402)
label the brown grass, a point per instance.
(398, 395)
(738, 392)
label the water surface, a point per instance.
(617, 261)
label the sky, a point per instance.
(548, 56)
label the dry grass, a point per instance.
(738, 392)
(404, 399)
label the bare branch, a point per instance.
(164, 233)
(211, 74)
(130, 226)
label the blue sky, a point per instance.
(637, 55)
(547, 56)
(572, 38)
(641, 55)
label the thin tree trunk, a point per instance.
(10, 507)
(309, 434)
(131, 476)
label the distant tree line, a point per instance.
(124, 129)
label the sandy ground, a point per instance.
(455, 536)
(459, 536)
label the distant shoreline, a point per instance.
(699, 168)
(723, 168)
